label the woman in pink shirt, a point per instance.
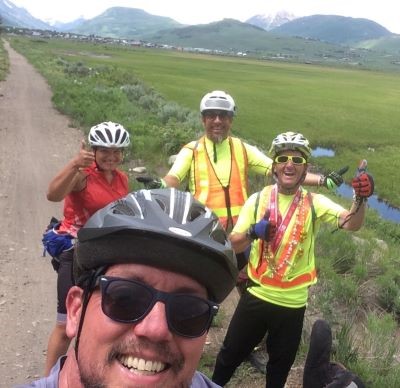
(88, 182)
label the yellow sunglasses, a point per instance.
(293, 159)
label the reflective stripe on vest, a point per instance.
(259, 272)
(225, 201)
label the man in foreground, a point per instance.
(281, 223)
(150, 271)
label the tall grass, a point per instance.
(3, 61)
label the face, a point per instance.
(116, 354)
(108, 159)
(217, 125)
(289, 175)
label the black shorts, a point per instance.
(65, 281)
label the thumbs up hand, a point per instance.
(85, 157)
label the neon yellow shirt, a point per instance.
(258, 163)
(326, 211)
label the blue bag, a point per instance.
(55, 242)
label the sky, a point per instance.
(384, 12)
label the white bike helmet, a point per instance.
(109, 134)
(290, 141)
(217, 100)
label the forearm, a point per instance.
(354, 218)
(240, 241)
(312, 179)
(171, 181)
(64, 182)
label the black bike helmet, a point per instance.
(164, 228)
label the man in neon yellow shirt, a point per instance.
(218, 164)
(281, 223)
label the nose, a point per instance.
(289, 163)
(154, 325)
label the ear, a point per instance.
(73, 303)
(303, 177)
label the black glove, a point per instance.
(334, 179)
(363, 185)
(151, 183)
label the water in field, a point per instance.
(384, 209)
(319, 151)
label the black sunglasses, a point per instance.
(129, 301)
(213, 114)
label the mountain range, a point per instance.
(258, 33)
(12, 15)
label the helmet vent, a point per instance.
(162, 205)
(117, 135)
(101, 136)
(121, 207)
(195, 213)
(109, 135)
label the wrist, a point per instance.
(251, 233)
(321, 180)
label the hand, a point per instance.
(151, 183)
(334, 179)
(263, 229)
(363, 185)
(85, 158)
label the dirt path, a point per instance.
(35, 141)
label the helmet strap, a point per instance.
(88, 288)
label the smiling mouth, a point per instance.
(141, 366)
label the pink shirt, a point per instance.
(80, 205)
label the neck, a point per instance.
(287, 190)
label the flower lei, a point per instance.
(277, 266)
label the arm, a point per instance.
(363, 186)
(331, 181)
(70, 178)
(239, 237)
(353, 219)
(174, 176)
(171, 181)
(240, 241)
(313, 179)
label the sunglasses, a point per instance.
(129, 301)
(293, 159)
(212, 115)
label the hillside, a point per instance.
(333, 29)
(121, 22)
(388, 44)
(11, 15)
(232, 35)
(225, 35)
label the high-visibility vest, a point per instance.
(258, 269)
(226, 201)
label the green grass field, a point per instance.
(354, 112)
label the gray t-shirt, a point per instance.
(51, 381)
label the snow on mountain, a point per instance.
(270, 21)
